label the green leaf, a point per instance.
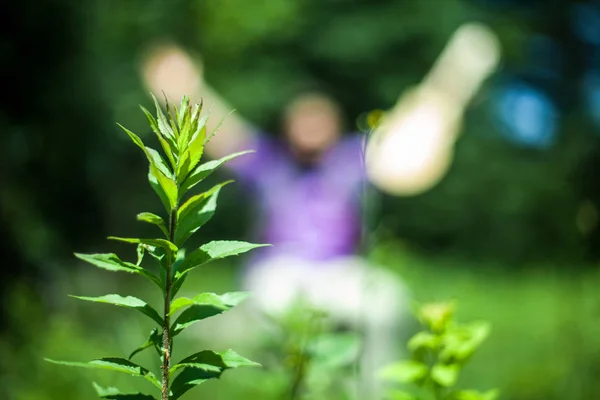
(203, 306)
(192, 154)
(152, 155)
(157, 161)
(214, 132)
(445, 375)
(159, 176)
(208, 252)
(164, 186)
(224, 301)
(460, 342)
(112, 393)
(162, 243)
(114, 364)
(215, 250)
(474, 395)
(424, 340)
(195, 212)
(226, 248)
(134, 138)
(162, 195)
(155, 339)
(437, 316)
(202, 366)
(191, 142)
(112, 262)
(140, 250)
(204, 170)
(155, 220)
(196, 146)
(407, 371)
(163, 124)
(167, 144)
(184, 111)
(128, 302)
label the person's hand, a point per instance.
(168, 68)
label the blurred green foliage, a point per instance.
(544, 344)
(437, 356)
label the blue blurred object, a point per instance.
(585, 22)
(526, 115)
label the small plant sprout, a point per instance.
(182, 134)
(438, 354)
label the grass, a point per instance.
(545, 341)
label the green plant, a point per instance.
(313, 356)
(182, 134)
(438, 354)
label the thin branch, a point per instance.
(167, 347)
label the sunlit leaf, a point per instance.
(204, 170)
(196, 148)
(195, 212)
(404, 371)
(475, 395)
(217, 249)
(155, 220)
(437, 316)
(157, 161)
(128, 302)
(167, 144)
(134, 138)
(202, 366)
(221, 301)
(214, 250)
(112, 262)
(167, 188)
(114, 364)
(163, 125)
(423, 340)
(162, 243)
(461, 342)
(445, 375)
(203, 306)
(159, 174)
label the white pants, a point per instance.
(350, 291)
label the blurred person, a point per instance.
(308, 187)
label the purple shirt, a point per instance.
(312, 212)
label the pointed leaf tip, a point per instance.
(202, 171)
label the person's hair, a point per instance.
(313, 101)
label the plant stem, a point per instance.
(167, 310)
(312, 329)
(299, 376)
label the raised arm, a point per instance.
(168, 68)
(413, 147)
